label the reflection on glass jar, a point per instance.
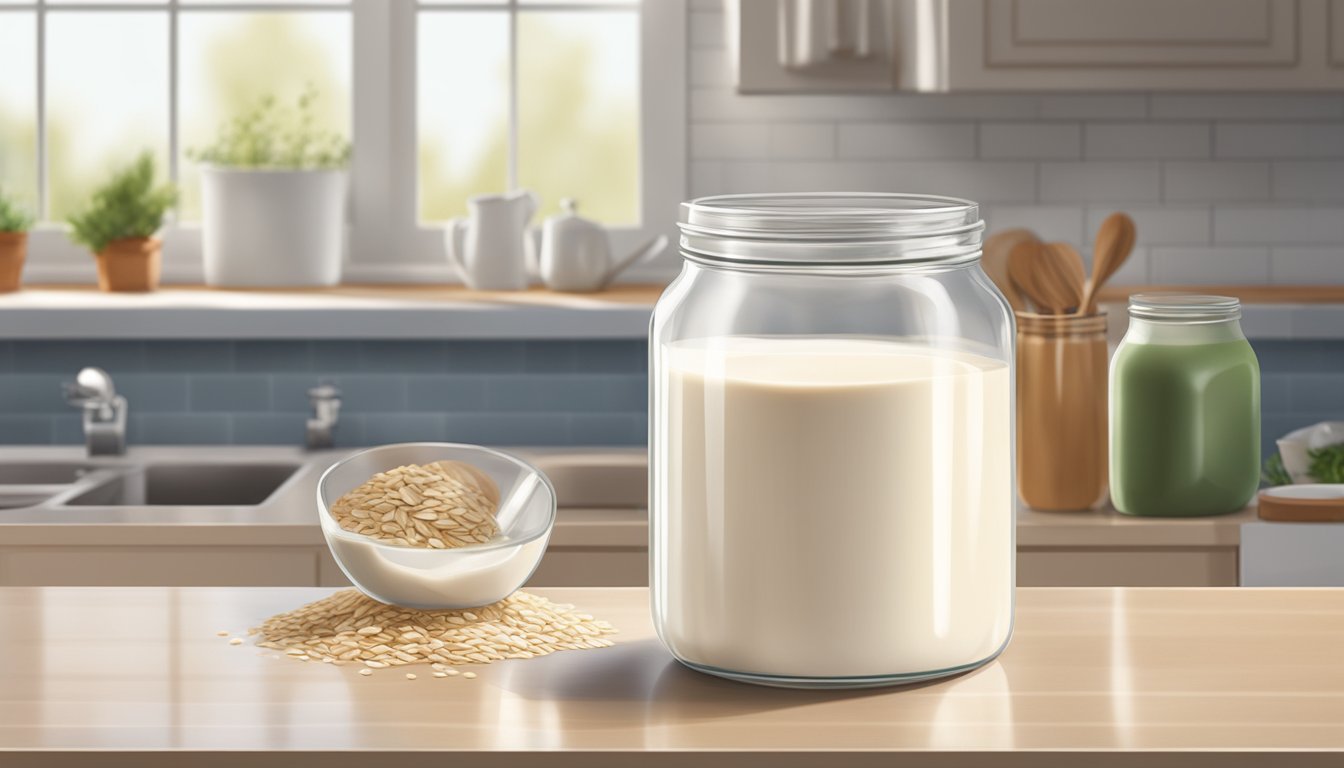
(831, 467)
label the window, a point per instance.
(442, 100)
(574, 79)
(107, 88)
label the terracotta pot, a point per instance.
(13, 250)
(131, 264)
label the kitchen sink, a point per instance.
(21, 500)
(42, 474)
(189, 485)
(599, 481)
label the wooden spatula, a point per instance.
(1115, 239)
(1050, 274)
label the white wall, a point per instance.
(1241, 189)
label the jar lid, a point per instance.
(1184, 307)
(831, 229)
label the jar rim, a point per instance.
(1035, 323)
(1184, 307)
(824, 229)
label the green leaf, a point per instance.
(1327, 464)
(273, 135)
(128, 205)
(1274, 472)
(13, 216)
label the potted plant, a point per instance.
(14, 223)
(119, 224)
(273, 189)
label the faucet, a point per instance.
(326, 401)
(104, 411)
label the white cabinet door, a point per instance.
(1292, 554)
(1145, 44)
(1335, 45)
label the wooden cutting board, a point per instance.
(1315, 503)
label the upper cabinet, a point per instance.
(999, 45)
(1146, 44)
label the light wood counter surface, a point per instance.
(644, 294)
(441, 311)
(1093, 677)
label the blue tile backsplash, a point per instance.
(589, 392)
(1301, 383)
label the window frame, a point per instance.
(385, 242)
(52, 257)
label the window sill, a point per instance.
(455, 312)
(344, 312)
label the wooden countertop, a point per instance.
(620, 294)
(536, 296)
(1094, 677)
(439, 311)
(343, 312)
(1248, 294)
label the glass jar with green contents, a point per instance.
(1185, 409)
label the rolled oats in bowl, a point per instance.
(439, 505)
(436, 526)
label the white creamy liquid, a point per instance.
(832, 507)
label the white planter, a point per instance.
(272, 227)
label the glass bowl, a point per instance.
(439, 579)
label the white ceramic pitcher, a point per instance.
(489, 247)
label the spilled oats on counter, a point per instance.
(348, 627)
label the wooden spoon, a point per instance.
(1050, 274)
(1063, 276)
(994, 262)
(1115, 239)
(1022, 261)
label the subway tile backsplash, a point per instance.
(492, 392)
(255, 392)
(1238, 169)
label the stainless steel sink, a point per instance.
(42, 474)
(188, 485)
(21, 500)
(600, 480)
(236, 486)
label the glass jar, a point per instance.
(831, 442)
(1061, 411)
(1185, 409)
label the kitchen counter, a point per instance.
(343, 312)
(600, 537)
(435, 311)
(602, 493)
(1096, 677)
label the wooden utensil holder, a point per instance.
(1062, 441)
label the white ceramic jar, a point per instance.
(272, 228)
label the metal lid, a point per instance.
(831, 229)
(1184, 307)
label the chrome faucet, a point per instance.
(326, 401)
(104, 411)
